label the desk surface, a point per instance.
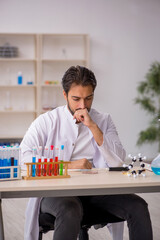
(104, 182)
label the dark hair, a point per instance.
(80, 76)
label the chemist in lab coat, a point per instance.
(90, 140)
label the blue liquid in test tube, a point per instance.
(5, 164)
(34, 150)
(16, 158)
(1, 162)
(8, 163)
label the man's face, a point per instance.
(79, 97)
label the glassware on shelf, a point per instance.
(64, 53)
(8, 105)
(22, 104)
(54, 100)
(45, 101)
(49, 100)
(20, 78)
(8, 51)
(30, 82)
(8, 82)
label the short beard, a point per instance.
(73, 112)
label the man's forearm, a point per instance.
(97, 133)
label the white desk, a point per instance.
(79, 184)
(104, 182)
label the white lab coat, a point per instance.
(57, 127)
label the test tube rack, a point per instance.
(9, 163)
(44, 166)
(10, 173)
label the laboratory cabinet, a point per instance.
(31, 69)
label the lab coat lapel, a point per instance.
(70, 132)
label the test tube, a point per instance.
(39, 160)
(34, 151)
(51, 160)
(12, 158)
(61, 160)
(8, 162)
(1, 162)
(56, 160)
(16, 160)
(5, 164)
(45, 160)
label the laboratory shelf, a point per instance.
(18, 111)
(41, 58)
(63, 60)
(17, 60)
(51, 85)
(19, 86)
(6, 137)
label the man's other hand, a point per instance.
(80, 164)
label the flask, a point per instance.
(155, 165)
(20, 78)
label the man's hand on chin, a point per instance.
(82, 115)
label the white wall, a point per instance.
(125, 40)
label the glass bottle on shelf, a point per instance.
(8, 105)
(8, 82)
(54, 100)
(22, 105)
(20, 78)
(45, 100)
(64, 53)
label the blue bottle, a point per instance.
(20, 78)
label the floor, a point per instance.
(14, 217)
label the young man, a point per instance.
(91, 140)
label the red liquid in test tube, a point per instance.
(56, 160)
(39, 160)
(51, 160)
(45, 160)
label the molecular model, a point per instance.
(136, 172)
